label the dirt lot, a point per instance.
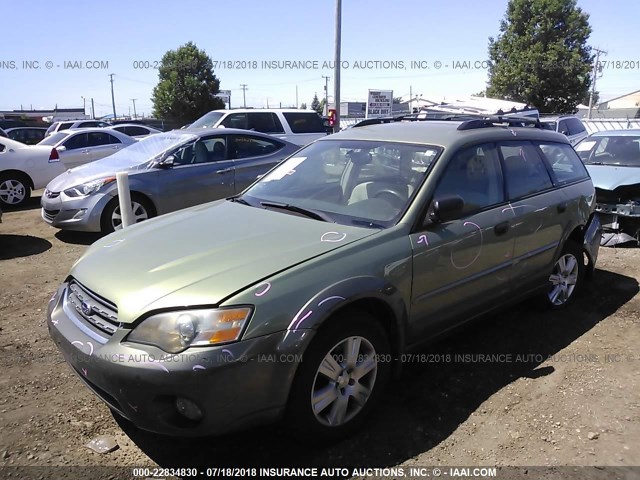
(564, 389)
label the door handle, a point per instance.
(224, 170)
(85, 151)
(115, 147)
(562, 207)
(501, 228)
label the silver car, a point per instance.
(77, 147)
(167, 172)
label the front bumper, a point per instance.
(82, 214)
(236, 386)
(620, 223)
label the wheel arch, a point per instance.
(19, 173)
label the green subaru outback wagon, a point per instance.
(296, 299)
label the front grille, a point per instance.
(50, 214)
(92, 308)
(50, 194)
(607, 196)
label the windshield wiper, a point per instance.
(366, 223)
(292, 208)
(239, 200)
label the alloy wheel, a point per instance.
(139, 214)
(563, 280)
(12, 191)
(344, 381)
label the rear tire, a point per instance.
(567, 277)
(341, 378)
(15, 189)
(111, 220)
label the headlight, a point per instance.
(173, 332)
(88, 188)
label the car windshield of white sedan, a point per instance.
(619, 150)
(349, 182)
(208, 120)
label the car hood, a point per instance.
(610, 177)
(90, 172)
(202, 255)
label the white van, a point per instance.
(296, 126)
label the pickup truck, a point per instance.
(296, 126)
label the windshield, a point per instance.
(349, 182)
(53, 139)
(208, 120)
(620, 150)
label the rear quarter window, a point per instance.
(304, 122)
(564, 161)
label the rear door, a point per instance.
(537, 211)
(76, 150)
(305, 127)
(253, 156)
(103, 144)
(463, 265)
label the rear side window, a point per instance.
(65, 126)
(264, 122)
(565, 163)
(525, 171)
(246, 146)
(575, 126)
(235, 120)
(305, 122)
(99, 138)
(77, 141)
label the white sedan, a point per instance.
(24, 168)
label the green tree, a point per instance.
(303, 106)
(541, 56)
(321, 107)
(315, 104)
(187, 86)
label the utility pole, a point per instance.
(244, 97)
(135, 115)
(336, 67)
(84, 106)
(325, 110)
(113, 100)
(297, 104)
(596, 68)
(93, 110)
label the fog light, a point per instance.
(79, 214)
(188, 409)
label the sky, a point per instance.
(385, 45)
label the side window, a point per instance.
(305, 122)
(65, 126)
(101, 138)
(136, 131)
(264, 122)
(205, 150)
(562, 127)
(575, 126)
(245, 146)
(88, 125)
(563, 160)
(525, 171)
(235, 120)
(77, 141)
(475, 174)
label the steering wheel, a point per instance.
(394, 198)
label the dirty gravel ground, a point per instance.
(565, 391)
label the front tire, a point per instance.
(111, 219)
(341, 378)
(567, 277)
(15, 190)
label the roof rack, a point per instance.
(501, 120)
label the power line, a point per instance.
(244, 97)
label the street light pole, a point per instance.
(135, 115)
(336, 66)
(113, 100)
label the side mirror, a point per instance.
(446, 208)
(167, 162)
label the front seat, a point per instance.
(201, 153)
